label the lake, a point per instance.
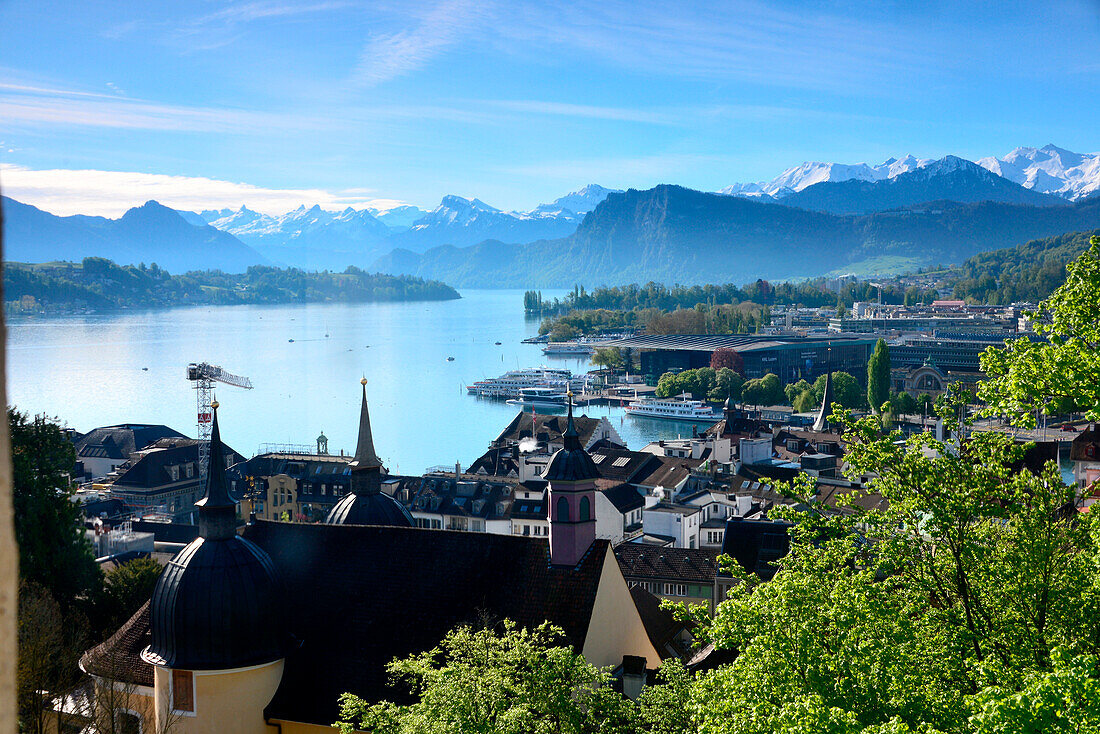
(130, 367)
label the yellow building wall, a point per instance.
(226, 702)
(616, 629)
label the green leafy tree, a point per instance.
(904, 404)
(53, 551)
(517, 681)
(846, 391)
(794, 389)
(878, 376)
(125, 589)
(610, 358)
(766, 390)
(727, 385)
(978, 587)
(1062, 373)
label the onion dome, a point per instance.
(217, 605)
(570, 463)
(366, 504)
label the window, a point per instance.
(586, 508)
(563, 509)
(675, 590)
(621, 461)
(127, 722)
(183, 692)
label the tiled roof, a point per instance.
(118, 442)
(623, 464)
(361, 596)
(660, 625)
(149, 469)
(670, 473)
(1086, 447)
(119, 658)
(624, 497)
(689, 565)
(547, 428)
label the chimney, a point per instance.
(633, 676)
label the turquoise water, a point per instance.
(88, 371)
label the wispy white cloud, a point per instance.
(617, 114)
(254, 11)
(387, 56)
(111, 193)
(46, 105)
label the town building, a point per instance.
(164, 478)
(788, 356)
(267, 628)
(677, 574)
(102, 450)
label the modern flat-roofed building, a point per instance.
(788, 356)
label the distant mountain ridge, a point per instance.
(317, 238)
(1047, 170)
(148, 233)
(948, 179)
(675, 235)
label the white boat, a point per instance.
(671, 409)
(512, 382)
(559, 349)
(543, 397)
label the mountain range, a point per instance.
(317, 239)
(149, 233)
(1048, 170)
(818, 218)
(671, 234)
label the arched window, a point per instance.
(585, 509)
(563, 509)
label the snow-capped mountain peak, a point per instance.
(1049, 169)
(581, 201)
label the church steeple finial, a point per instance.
(822, 423)
(571, 440)
(217, 510)
(365, 455)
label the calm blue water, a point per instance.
(87, 370)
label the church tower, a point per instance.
(571, 498)
(366, 504)
(216, 621)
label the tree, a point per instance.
(516, 680)
(1062, 373)
(974, 609)
(728, 358)
(50, 644)
(53, 551)
(125, 589)
(794, 389)
(727, 385)
(878, 376)
(765, 390)
(846, 391)
(608, 357)
(904, 404)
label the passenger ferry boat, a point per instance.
(512, 382)
(565, 349)
(542, 397)
(678, 410)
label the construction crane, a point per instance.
(203, 376)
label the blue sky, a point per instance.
(277, 102)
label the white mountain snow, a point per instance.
(814, 172)
(1049, 169)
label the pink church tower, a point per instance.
(571, 497)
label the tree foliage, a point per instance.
(1062, 374)
(53, 551)
(950, 610)
(846, 391)
(728, 358)
(100, 283)
(878, 376)
(766, 390)
(514, 681)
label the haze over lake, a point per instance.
(88, 371)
